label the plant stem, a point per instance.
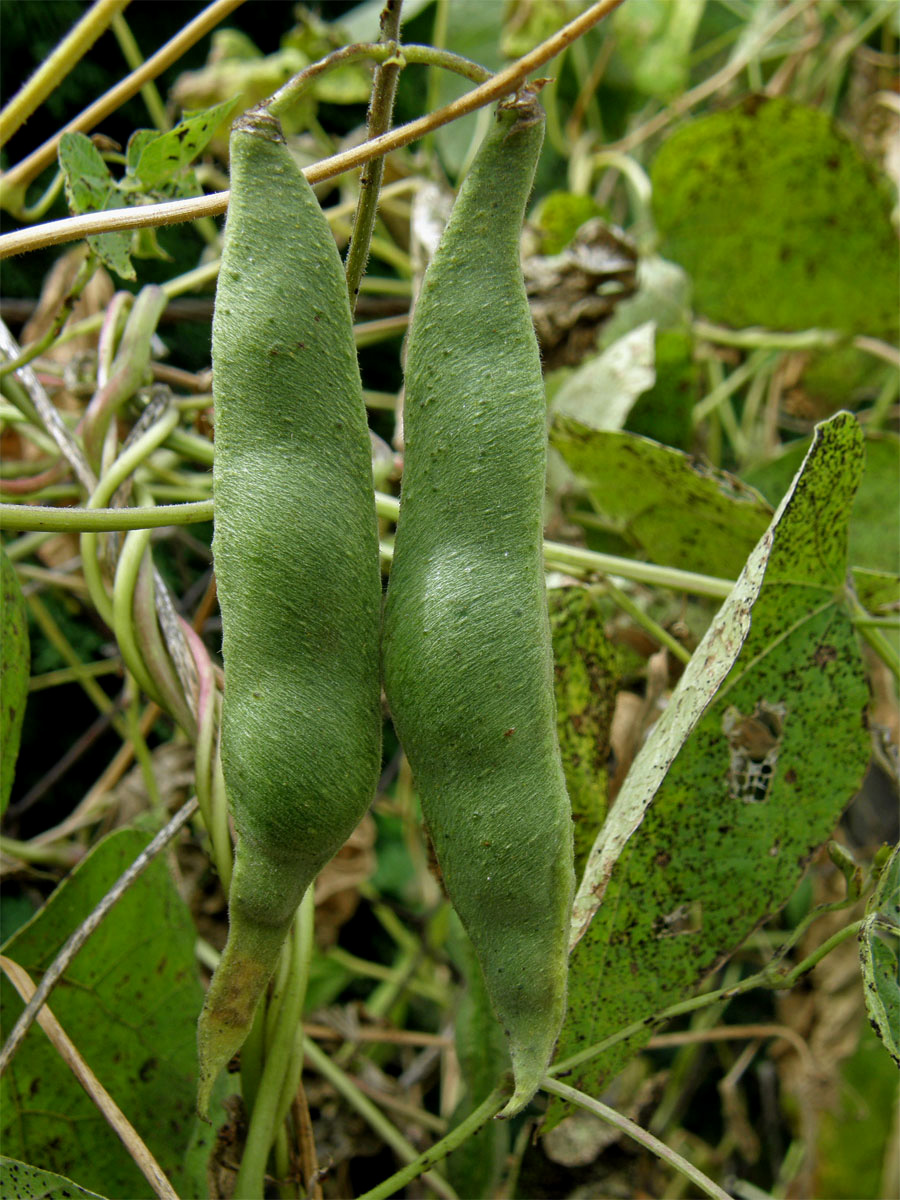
(638, 1134)
(129, 564)
(880, 645)
(381, 108)
(60, 643)
(45, 856)
(49, 679)
(656, 631)
(434, 1154)
(120, 470)
(102, 520)
(379, 52)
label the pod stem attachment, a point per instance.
(248, 961)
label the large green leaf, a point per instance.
(875, 520)
(129, 1001)
(14, 661)
(778, 220)
(673, 509)
(760, 748)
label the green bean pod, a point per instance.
(296, 556)
(466, 655)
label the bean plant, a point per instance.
(486, 638)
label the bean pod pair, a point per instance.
(467, 659)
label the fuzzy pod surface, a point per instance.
(296, 557)
(467, 656)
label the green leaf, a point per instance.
(154, 161)
(879, 953)
(137, 143)
(91, 188)
(14, 665)
(19, 1181)
(587, 670)
(875, 521)
(672, 509)
(779, 220)
(129, 1001)
(761, 746)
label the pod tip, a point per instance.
(527, 1076)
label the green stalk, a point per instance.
(48, 519)
(64, 675)
(127, 569)
(120, 470)
(142, 752)
(250, 1182)
(284, 99)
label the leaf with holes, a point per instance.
(879, 952)
(155, 160)
(762, 745)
